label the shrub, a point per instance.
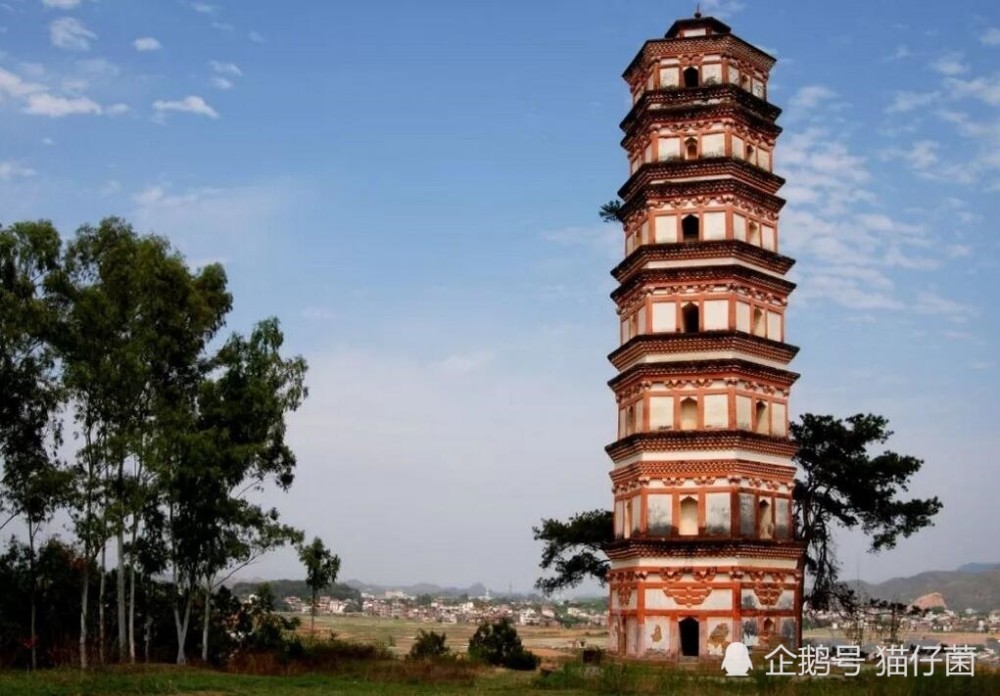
(498, 644)
(427, 645)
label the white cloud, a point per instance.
(204, 8)
(70, 34)
(225, 68)
(811, 96)
(984, 89)
(10, 170)
(721, 8)
(190, 104)
(255, 37)
(950, 64)
(991, 37)
(221, 83)
(61, 4)
(45, 104)
(902, 51)
(904, 102)
(117, 109)
(147, 43)
(14, 86)
(318, 313)
(920, 155)
(929, 302)
(48, 141)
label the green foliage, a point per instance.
(498, 644)
(321, 569)
(428, 644)
(574, 550)
(609, 211)
(841, 483)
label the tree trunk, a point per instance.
(122, 625)
(182, 628)
(100, 606)
(83, 614)
(34, 591)
(312, 615)
(131, 612)
(204, 628)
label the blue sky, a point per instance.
(412, 188)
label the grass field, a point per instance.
(398, 634)
(377, 678)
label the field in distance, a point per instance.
(398, 634)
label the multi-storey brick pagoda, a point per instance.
(704, 552)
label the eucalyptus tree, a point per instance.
(135, 322)
(321, 571)
(227, 444)
(32, 482)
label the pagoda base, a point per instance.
(686, 606)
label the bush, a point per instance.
(498, 644)
(428, 645)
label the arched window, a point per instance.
(745, 82)
(766, 524)
(761, 422)
(759, 327)
(691, 77)
(689, 414)
(691, 148)
(689, 517)
(690, 228)
(689, 318)
(751, 155)
(753, 233)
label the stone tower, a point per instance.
(704, 551)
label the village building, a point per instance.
(704, 551)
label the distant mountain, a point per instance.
(961, 589)
(476, 590)
(977, 567)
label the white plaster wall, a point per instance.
(718, 599)
(669, 77)
(625, 335)
(640, 320)
(718, 515)
(774, 326)
(659, 513)
(712, 71)
(748, 514)
(781, 518)
(758, 88)
(638, 416)
(716, 314)
(739, 225)
(647, 154)
(743, 317)
(621, 422)
(636, 512)
(658, 599)
(714, 224)
(644, 232)
(632, 648)
(764, 160)
(665, 229)
(734, 74)
(716, 411)
(687, 525)
(778, 420)
(661, 412)
(743, 409)
(719, 636)
(664, 317)
(768, 237)
(657, 634)
(619, 517)
(713, 145)
(669, 147)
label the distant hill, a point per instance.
(476, 590)
(973, 586)
(293, 588)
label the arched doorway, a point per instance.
(690, 639)
(691, 77)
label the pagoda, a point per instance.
(704, 551)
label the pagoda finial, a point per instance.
(697, 11)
